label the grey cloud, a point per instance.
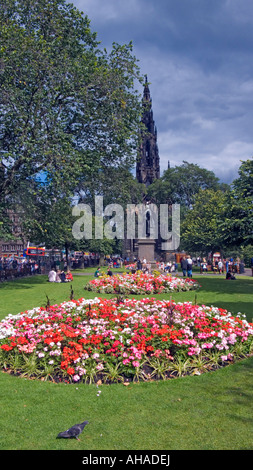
(198, 55)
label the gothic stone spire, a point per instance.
(148, 161)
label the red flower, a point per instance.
(76, 346)
(6, 347)
(64, 364)
(48, 340)
(22, 340)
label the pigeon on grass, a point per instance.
(74, 431)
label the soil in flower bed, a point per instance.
(102, 340)
(140, 284)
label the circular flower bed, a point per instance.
(101, 339)
(140, 283)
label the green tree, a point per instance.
(246, 254)
(238, 223)
(69, 115)
(243, 185)
(181, 184)
(201, 230)
(49, 221)
(5, 223)
(69, 111)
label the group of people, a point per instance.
(98, 272)
(169, 267)
(18, 263)
(218, 267)
(18, 267)
(228, 265)
(59, 275)
(115, 262)
(143, 265)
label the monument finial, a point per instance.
(146, 92)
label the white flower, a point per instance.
(76, 377)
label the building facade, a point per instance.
(17, 244)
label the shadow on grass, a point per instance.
(221, 285)
(235, 296)
(25, 283)
(242, 393)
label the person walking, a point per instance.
(139, 265)
(189, 266)
(220, 266)
(184, 265)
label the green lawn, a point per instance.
(209, 412)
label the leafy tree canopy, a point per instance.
(201, 229)
(238, 223)
(181, 184)
(68, 109)
(222, 220)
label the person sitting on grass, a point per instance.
(63, 276)
(58, 276)
(52, 275)
(69, 276)
(109, 272)
(230, 276)
(97, 272)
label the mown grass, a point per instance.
(207, 412)
(26, 293)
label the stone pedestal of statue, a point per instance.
(146, 250)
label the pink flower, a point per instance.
(136, 364)
(157, 353)
(207, 345)
(192, 351)
(232, 338)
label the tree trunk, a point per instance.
(67, 254)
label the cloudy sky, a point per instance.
(198, 55)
